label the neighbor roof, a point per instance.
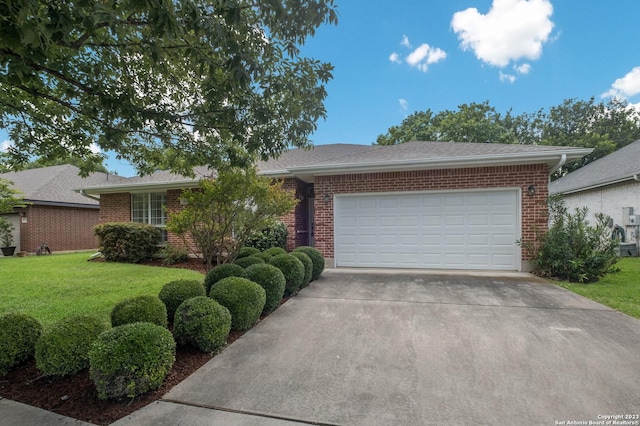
(349, 158)
(55, 185)
(619, 166)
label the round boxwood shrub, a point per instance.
(247, 251)
(271, 279)
(316, 258)
(203, 323)
(131, 359)
(308, 266)
(18, 336)
(221, 271)
(174, 293)
(63, 348)
(275, 251)
(244, 299)
(248, 261)
(143, 308)
(293, 271)
(264, 256)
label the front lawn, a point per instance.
(52, 287)
(620, 290)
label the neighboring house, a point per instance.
(610, 185)
(56, 215)
(415, 205)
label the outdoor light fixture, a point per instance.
(326, 198)
(531, 190)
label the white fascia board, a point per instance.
(140, 187)
(549, 157)
(595, 185)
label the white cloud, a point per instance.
(395, 58)
(425, 55)
(95, 148)
(4, 145)
(511, 30)
(507, 77)
(522, 69)
(404, 104)
(405, 41)
(627, 86)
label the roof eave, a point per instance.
(550, 158)
(595, 185)
(139, 187)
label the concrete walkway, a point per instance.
(418, 349)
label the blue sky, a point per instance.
(394, 58)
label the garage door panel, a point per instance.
(472, 230)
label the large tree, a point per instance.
(163, 83)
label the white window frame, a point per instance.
(150, 217)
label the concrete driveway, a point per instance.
(401, 348)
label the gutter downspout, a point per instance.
(84, 194)
(636, 177)
(563, 159)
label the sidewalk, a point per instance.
(18, 414)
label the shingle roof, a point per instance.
(618, 166)
(56, 184)
(303, 163)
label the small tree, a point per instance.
(221, 214)
(573, 249)
(10, 198)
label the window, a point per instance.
(150, 208)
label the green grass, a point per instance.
(619, 290)
(53, 287)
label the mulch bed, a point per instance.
(75, 396)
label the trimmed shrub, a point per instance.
(308, 266)
(264, 256)
(202, 322)
(248, 261)
(171, 254)
(274, 235)
(316, 258)
(131, 359)
(143, 308)
(244, 299)
(174, 293)
(63, 348)
(272, 280)
(221, 271)
(247, 251)
(127, 242)
(293, 271)
(18, 336)
(275, 251)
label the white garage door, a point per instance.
(449, 230)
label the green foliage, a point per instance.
(144, 308)
(222, 213)
(105, 74)
(18, 336)
(272, 235)
(63, 348)
(10, 198)
(264, 256)
(247, 251)
(572, 249)
(275, 251)
(174, 293)
(308, 266)
(605, 127)
(293, 271)
(272, 280)
(248, 261)
(244, 299)
(221, 271)
(203, 323)
(131, 359)
(6, 232)
(127, 242)
(171, 254)
(316, 258)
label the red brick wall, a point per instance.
(534, 209)
(62, 228)
(115, 207)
